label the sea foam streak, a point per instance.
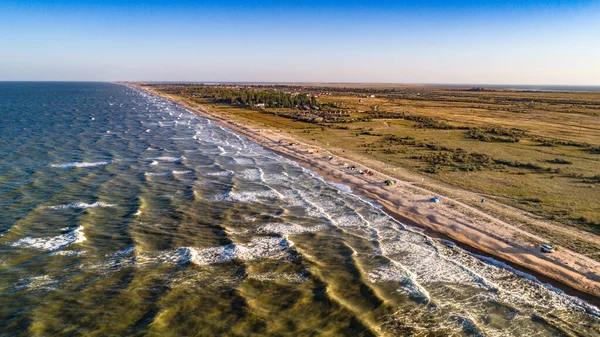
(283, 228)
(169, 159)
(182, 172)
(81, 164)
(80, 205)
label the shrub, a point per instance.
(559, 161)
(496, 134)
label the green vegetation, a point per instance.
(559, 161)
(496, 134)
(248, 96)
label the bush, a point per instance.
(496, 134)
(433, 169)
(459, 159)
(559, 161)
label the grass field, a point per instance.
(536, 151)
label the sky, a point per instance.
(461, 42)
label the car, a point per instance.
(547, 248)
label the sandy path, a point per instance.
(451, 217)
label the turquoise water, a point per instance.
(123, 214)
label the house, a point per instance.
(372, 96)
(260, 105)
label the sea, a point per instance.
(123, 214)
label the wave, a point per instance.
(81, 164)
(341, 187)
(81, 205)
(264, 247)
(270, 277)
(248, 197)
(35, 283)
(52, 243)
(244, 161)
(220, 173)
(159, 174)
(284, 229)
(588, 308)
(254, 174)
(169, 159)
(398, 273)
(74, 253)
(183, 172)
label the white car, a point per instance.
(547, 248)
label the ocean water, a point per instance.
(124, 214)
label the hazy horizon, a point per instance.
(446, 43)
(484, 85)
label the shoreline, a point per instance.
(405, 220)
(470, 228)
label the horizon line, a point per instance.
(303, 82)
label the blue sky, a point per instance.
(493, 42)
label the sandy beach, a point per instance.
(410, 201)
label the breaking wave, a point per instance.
(81, 164)
(52, 243)
(81, 205)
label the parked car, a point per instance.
(545, 248)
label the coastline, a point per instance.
(473, 230)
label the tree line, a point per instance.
(251, 97)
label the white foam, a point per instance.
(283, 228)
(52, 243)
(43, 282)
(81, 164)
(276, 178)
(74, 253)
(243, 161)
(425, 261)
(80, 205)
(571, 300)
(248, 196)
(169, 159)
(219, 174)
(157, 174)
(398, 273)
(253, 174)
(270, 277)
(349, 220)
(257, 248)
(341, 187)
(182, 172)
(154, 162)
